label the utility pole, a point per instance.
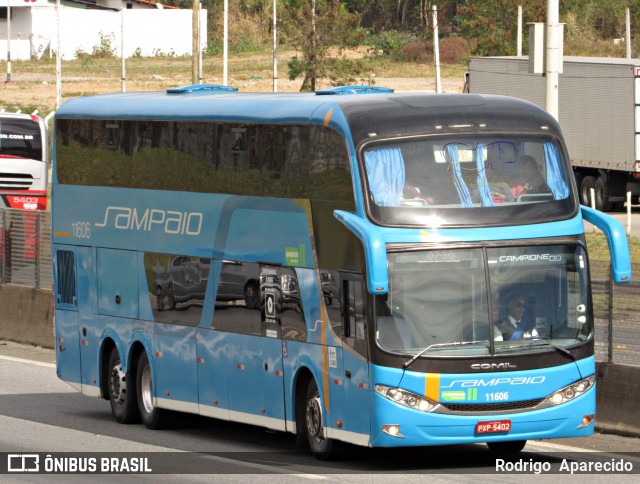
(519, 47)
(200, 75)
(313, 45)
(628, 32)
(195, 51)
(275, 46)
(225, 46)
(8, 41)
(552, 64)
(58, 60)
(436, 47)
(123, 69)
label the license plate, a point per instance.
(493, 426)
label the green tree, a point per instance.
(493, 24)
(321, 30)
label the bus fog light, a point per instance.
(393, 430)
(586, 420)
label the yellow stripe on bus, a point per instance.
(432, 386)
(327, 118)
(62, 234)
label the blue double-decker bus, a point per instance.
(347, 265)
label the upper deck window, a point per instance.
(458, 181)
(271, 160)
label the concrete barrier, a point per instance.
(618, 393)
(26, 315)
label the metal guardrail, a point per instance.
(617, 316)
(25, 248)
(25, 259)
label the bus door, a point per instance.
(275, 299)
(355, 356)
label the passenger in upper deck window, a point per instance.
(531, 180)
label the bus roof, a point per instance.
(385, 114)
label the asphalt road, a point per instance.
(40, 414)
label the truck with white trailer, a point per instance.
(599, 113)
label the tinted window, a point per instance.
(260, 300)
(264, 160)
(21, 138)
(238, 299)
(176, 285)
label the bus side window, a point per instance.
(354, 314)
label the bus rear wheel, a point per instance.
(321, 446)
(122, 391)
(152, 416)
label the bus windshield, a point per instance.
(20, 139)
(445, 181)
(23, 162)
(438, 299)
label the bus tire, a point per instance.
(122, 391)
(588, 182)
(504, 448)
(152, 416)
(602, 195)
(321, 447)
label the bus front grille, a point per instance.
(492, 407)
(15, 181)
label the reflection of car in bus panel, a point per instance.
(417, 282)
(24, 163)
(184, 279)
(239, 281)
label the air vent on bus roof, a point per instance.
(354, 90)
(201, 88)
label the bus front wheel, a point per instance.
(122, 391)
(152, 416)
(321, 446)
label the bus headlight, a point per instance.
(408, 399)
(572, 391)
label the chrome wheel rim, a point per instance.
(314, 417)
(118, 384)
(145, 389)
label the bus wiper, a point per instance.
(410, 362)
(560, 349)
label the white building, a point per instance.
(149, 28)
